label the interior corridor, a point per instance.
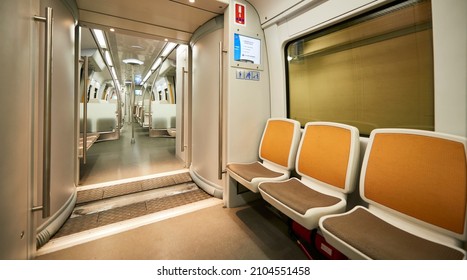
(120, 159)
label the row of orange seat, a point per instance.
(413, 181)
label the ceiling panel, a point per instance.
(217, 7)
(141, 27)
(127, 46)
(176, 15)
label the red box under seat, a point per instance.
(326, 249)
(315, 244)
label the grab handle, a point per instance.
(221, 114)
(182, 129)
(47, 135)
(85, 109)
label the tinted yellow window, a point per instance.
(371, 72)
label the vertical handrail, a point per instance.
(150, 109)
(119, 109)
(132, 104)
(221, 114)
(152, 89)
(145, 92)
(85, 109)
(182, 117)
(47, 135)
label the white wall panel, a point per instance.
(63, 133)
(248, 100)
(450, 60)
(205, 112)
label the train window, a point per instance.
(372, 71)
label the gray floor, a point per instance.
(250, 232)
(120, 159)
(217, 233)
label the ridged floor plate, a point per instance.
(99, 206)
(90, 195)
(113, 207)
(114, 215)
(89, 235)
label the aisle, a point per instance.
(119, 159)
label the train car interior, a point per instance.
(234, 130)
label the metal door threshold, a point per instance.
(116, 210)
(86, 195)
(113, 208)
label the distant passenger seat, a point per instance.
(277, 152)
(327, 162)
(416, 185)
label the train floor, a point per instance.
(138, 202)
(121, 159)
(101, 206)
(179, 222)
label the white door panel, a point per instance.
(205, 110)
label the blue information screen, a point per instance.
(247, 49)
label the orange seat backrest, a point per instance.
(277, 142)
(417, 174)
(325, 153)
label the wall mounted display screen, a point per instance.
(247, 49)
